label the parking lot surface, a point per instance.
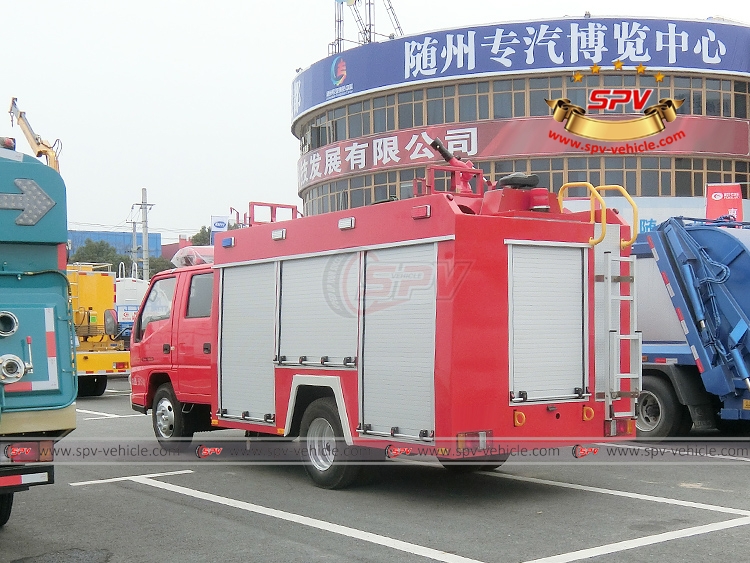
(679, 501)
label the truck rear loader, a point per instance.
(37, 373)
(694, 312)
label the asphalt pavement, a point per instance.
(679, 501)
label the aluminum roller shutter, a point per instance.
(547, 320)
(247, 340)
(319, 308)
(399, 339)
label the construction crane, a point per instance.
(40, 147)
(366, 24)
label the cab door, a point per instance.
(195, 342)
(152, 346)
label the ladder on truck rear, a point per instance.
(613, 273)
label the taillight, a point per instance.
(473, 440)
(619, 427)
(120, 365)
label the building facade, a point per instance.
(122, 242)
(365, 117)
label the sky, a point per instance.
(191, 99)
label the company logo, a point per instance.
(579, 451)
(338, 71)
(608, 98)
(392, 451)
(220, 224)
(14, 451)
(204, 451)
(653, 121)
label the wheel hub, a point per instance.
(164, 415)
(321, 444)
(649, 413)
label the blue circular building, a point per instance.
(365, 117)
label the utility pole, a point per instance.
(134, 251)
(144, 222)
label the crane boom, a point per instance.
(38, 145)
(394, 19)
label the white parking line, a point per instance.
(129, 478)
(640, 542)
(626, 494)
(102, 415)
(438, 555)
(392, 543)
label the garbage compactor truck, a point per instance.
(693, 294)
(37, 373)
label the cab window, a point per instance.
(200, 298)
(158, 304)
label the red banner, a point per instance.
(722, 200)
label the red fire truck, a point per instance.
(463, 321)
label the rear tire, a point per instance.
(100, 385)
(323, 447)
(171, 425)
(6, 506)
(660, 414)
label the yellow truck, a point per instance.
(101, 343)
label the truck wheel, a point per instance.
(660, 413)
(323, 450)
(85, 386)
(171, 425)
(100, 385)
(6, 505)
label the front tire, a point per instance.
(660, 414)
(323, 450)
(6, 506)
(171, 425)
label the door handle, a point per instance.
(166, 348)
(206, 347)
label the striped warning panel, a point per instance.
(50, 349)
(25, 479)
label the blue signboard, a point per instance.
(710, 46)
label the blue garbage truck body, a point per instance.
(693, 293)
(37, 369)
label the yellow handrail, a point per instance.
(594, 195)
(624, 243)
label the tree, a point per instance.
(100, 252)
(159, 264)
(202, 237)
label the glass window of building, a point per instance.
(410, 109)
(384, 114)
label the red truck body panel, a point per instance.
(488, 250)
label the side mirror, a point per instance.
(110, 322)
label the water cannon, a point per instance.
(461, 180)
